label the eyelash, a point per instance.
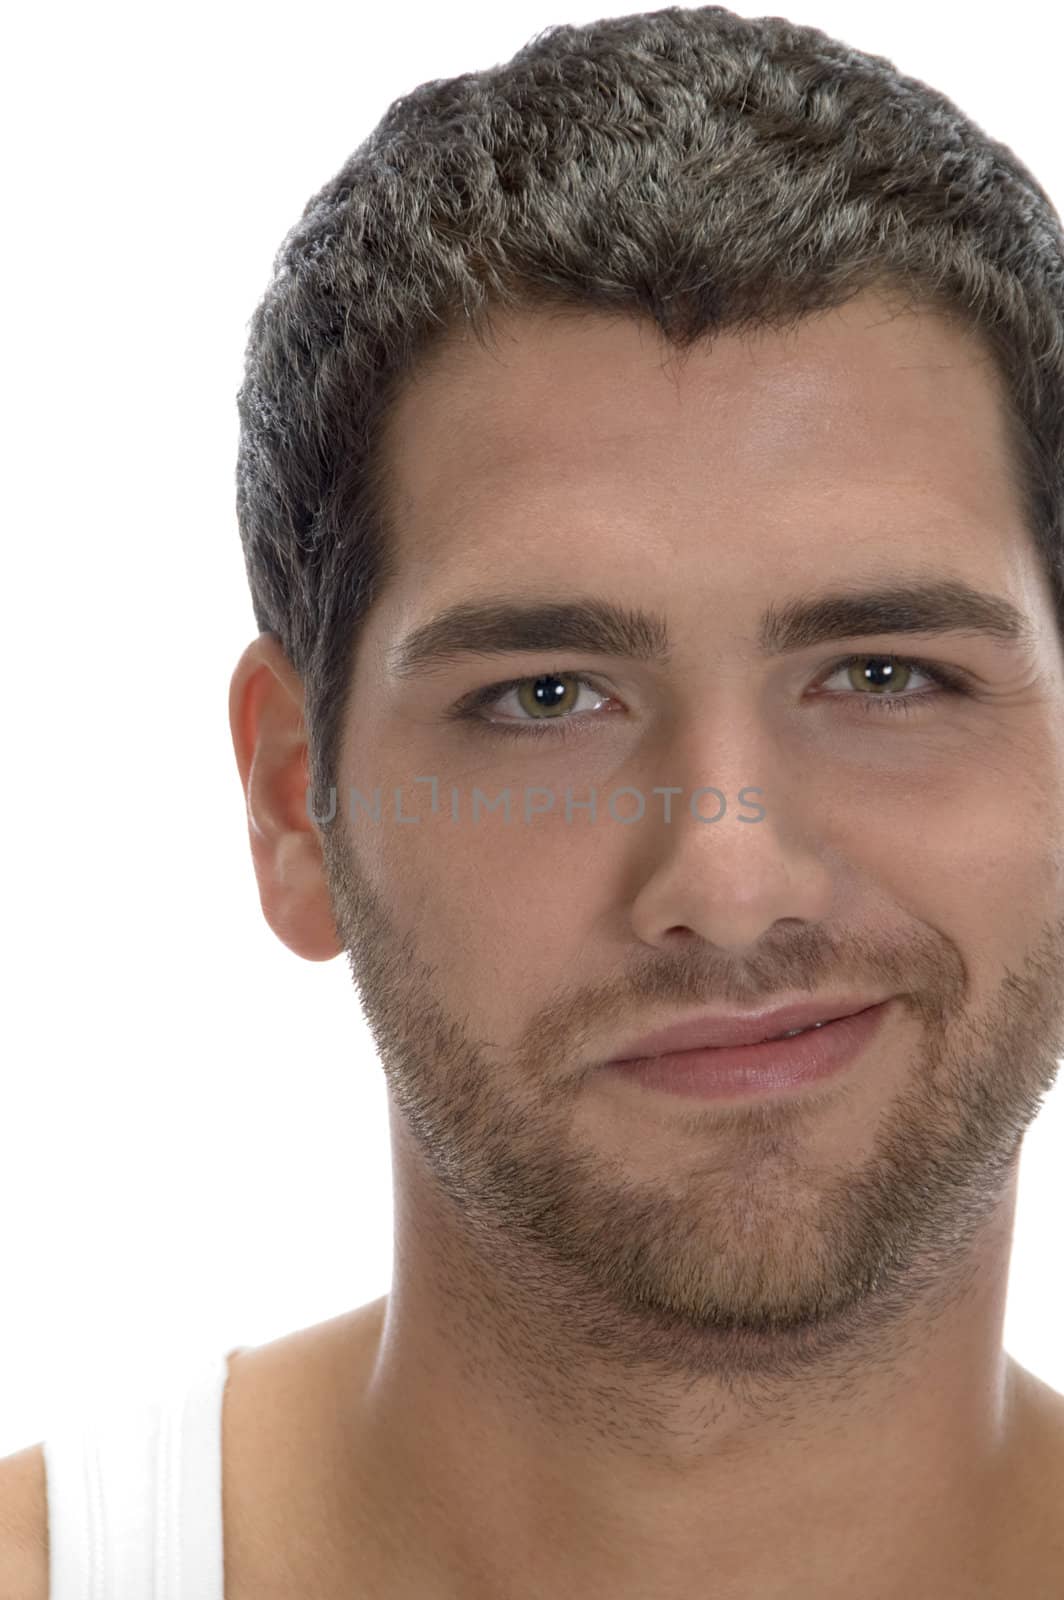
(468, 710)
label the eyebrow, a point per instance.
(497, 626)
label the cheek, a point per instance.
(503, 912)
(978, 853)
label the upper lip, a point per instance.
(743, 1027)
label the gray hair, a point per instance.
(709, 171)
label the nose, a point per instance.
(728, 881)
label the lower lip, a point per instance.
(730, 1070)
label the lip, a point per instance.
(773, 1067)
(713, 1031)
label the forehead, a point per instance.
(848, 406)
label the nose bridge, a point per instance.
(728, 745)
(739, 852)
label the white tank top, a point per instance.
(135, 1498)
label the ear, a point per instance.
(270, 744)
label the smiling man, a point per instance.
(651, 485)
(645, 1339)
(729, 1325)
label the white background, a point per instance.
(194, 1146)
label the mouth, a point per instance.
(720, 1031)
(793, 1034)
(773, 1065)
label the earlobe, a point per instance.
(295, 898)
(270, 745)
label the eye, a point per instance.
(547, 704)
(544, 704)
(879, 680)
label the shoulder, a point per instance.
(24, 1525)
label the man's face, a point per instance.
(913, 852)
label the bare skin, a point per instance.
(635, 1344)
(299, 1521)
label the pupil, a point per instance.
(886, 668)
(549, 692)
